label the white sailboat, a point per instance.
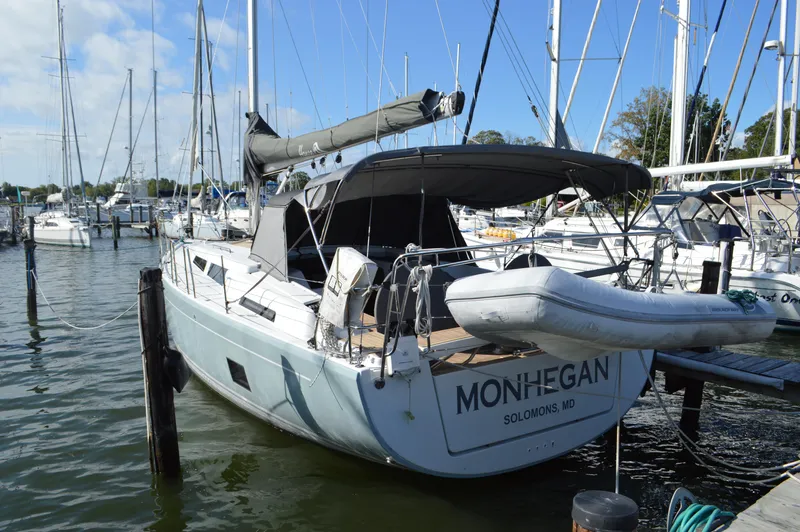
(58, 226)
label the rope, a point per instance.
(420, 276)
(65, 322)
(696, 515)
(745, 298)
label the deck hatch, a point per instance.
(238, 374)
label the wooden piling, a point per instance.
(14, 224)
(162, 430)
(115, 230)
(693, 388)
(97, 220)
(150, 224)
(141, 217)
(30, 270)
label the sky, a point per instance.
(325, 67)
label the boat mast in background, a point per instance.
(130, 141)
(781, 80)
(64, 138)
(677, 133)
(795, 76)
(253, 196)
(554, 48)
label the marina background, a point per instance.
(73, 453)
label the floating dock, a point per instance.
(777, 510)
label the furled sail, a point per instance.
(267, 153)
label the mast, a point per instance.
(155, 122)
(195, 90)
(64, 163)
(583, 58)
(795, 75)
(254, 196)
(555, 61)
(678, 127)
(130, 140)
(239, 159)
(456, 89)
(201, 131)
(406, 90)
(781, 80)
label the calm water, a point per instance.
(73, 454)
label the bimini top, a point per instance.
(719, 192)
(477, 175)
(394, 198)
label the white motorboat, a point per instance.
(5, 221)
(315, 328)
(576, 318)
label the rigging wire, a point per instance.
(344, 67)
(380, 80)
(113, 125)
(302, 68)
(375, 45)
(363, 66)
(446, 42)
(318, 68)
(520, 66)
(750, 80)
(235, 112)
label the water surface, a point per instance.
(73, 454)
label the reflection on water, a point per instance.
(73, 453)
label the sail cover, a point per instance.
(266, 153)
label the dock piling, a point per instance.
(162, 430)
(30, 270)
(115, 230)
(14, 224)
(97, 219)
(151, 226)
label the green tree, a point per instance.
(297, 180)
(764, 128)
(641, 132)
(492, 136)
(7, 190)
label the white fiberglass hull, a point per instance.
(58, 230)
(205, 227)
(514, 413)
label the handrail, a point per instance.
(402, 259)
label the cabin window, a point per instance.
(586, 242)
(551, 234)
(200, 262)
(238, 374)
(217, 273)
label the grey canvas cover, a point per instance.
(266, 153)
(482, 176)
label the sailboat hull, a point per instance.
(511, 415)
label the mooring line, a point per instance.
(65, 322)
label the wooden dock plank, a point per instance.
(766, 364)
(790, 373)
(707, 358)
(777, 510)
